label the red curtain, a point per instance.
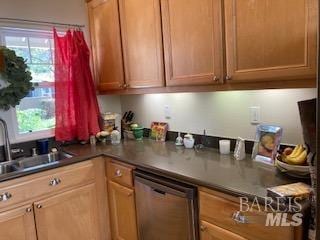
(77, 109)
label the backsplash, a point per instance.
(223, 114)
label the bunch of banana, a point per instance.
(297, 157)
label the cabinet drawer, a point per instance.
(219, 211)
(48, 182)
(210, 232)
(120, 173)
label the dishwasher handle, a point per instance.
(158, 191)
(166, 186)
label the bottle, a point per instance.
(179, 140)
(115, 136)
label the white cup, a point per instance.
(224, 146)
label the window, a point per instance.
(36, 111)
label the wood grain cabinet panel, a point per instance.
(18, 224)
(192, 34)
(270, 40)
(212, 232)
(142, 43)
(69, 215)
(106, 44)
(219, 211)
(120, 173)
(123, 212)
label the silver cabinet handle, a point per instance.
(215, 78)
(228, 77)
(5, 196)
(118, 173)
(54, 182)
(29, 209)
(39, 206)
(239, 217)
(203, 228)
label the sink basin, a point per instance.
(42, 160)
(7, 168)
(32, 162)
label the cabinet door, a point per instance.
(69, 215)
(142, 43)
(212, 232)
(123, 212)
(270, 39)
(106, 43)
(18, 224)
(192, 34)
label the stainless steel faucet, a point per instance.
(7, 150)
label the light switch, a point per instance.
(167, 111)
(255, 115)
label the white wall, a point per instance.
(222, 113)
(62, 11)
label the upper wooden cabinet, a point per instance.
(142, 43)
(106, 43)
(270, 39)
(192, 34)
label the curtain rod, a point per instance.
(41, 22)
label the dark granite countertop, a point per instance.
(205, 167)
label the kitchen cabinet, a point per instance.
(211, 232)
(220, 214)
(142, 43)
(69, 215)
(18, 224)
(106, 44)
(270, 40)
(123, 213)
(121, 201)
(192, 36)
(155, 46)
(65, 203)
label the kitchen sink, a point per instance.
(7, 168)
(33, 162)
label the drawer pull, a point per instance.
(118, 173)
(239, 218)
(215, 78)
(203, 228)
(39, 206)
(228, 78)
(28, 210)
(54, 182)
(5, 197)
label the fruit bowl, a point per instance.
(294, 162)
(293, 169)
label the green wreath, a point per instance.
(15, 79)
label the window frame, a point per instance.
(27, 136)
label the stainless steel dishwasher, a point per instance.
(166, 209)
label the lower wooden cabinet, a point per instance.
(218, 211)
(61, 204)
(123, 212)
(18, 224)
(69, 215)
(212, 232)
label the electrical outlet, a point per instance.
(255, 115)
(167, 111)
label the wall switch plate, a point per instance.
(255, 115)
(167, 111)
